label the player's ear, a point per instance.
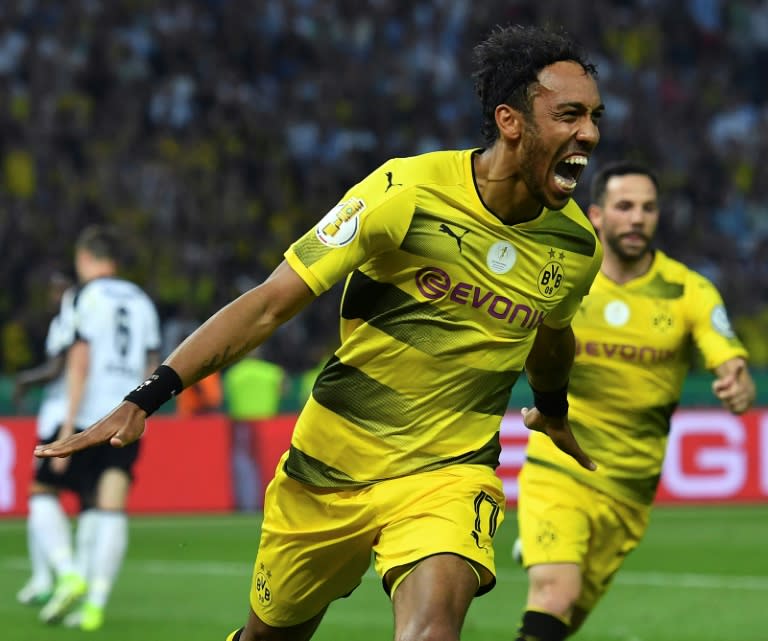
(595, 215)
(509, 121)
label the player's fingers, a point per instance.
(721, 385)
(66, 446)
(121, 439)
(566, 441)
(532, 419)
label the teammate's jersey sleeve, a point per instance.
(369, 220)
(710, 326)
(633, 350)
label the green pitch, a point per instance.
(700, 575)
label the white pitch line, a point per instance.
(235, 568)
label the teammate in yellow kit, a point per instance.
(633, 334)
(462, 268)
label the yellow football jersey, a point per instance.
(634, 346)
(439, 310)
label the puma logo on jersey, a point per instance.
(458, 238)
(391, 184)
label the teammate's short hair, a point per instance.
(617, 168)
(507, 66)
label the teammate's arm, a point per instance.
(734, 385)
(547, 367)
(224, 338)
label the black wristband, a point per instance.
(553, 403)
(156, 390)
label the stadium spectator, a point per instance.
(163, 115)
(633, 334)
(115, 340)
(394, 453)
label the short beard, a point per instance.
(614, 242)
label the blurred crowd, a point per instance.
(213, 132)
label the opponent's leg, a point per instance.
(39, 587)
(52, 527)
(106, 544)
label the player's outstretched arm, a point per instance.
(548, 367)
(123, 425)
(240, 326)
(227, 336)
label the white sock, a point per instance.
(85, 537)
(42, 575)
(106, 554)
(50, 526)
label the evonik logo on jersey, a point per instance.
(435, 284)
(624, 351)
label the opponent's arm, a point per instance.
(78, 364)
(153, 360)
(232, 332)
(39, 375)
(548, 367)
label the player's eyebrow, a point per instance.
(580, 106)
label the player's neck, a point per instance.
(622, 271)
(501, 189)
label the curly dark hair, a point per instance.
(508, 62)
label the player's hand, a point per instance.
(736, 389)
(123, 425)
(559, 430)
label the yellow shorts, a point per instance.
(564, 521)
(316, 543)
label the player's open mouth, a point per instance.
(568, 171)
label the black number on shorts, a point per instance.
(493, 516)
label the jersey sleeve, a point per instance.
(85, 320)
(710, 326)
(366, 222)
(563, 314)
(61, 329)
